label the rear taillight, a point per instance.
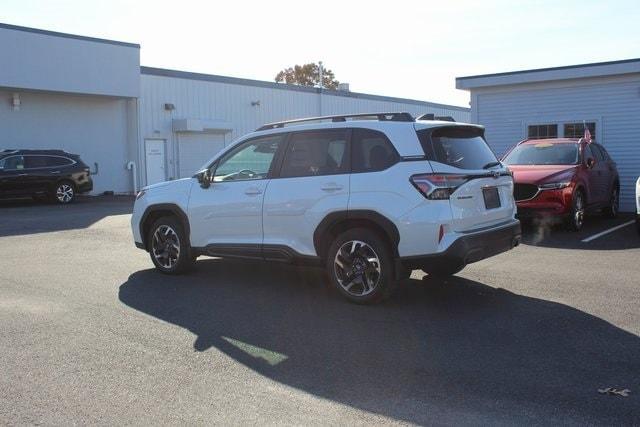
(438, 186)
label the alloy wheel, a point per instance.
(357, 268)
(165, 246)
(614, 202)
(578, 211)
(64, 193)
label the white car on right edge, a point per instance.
(638, 205)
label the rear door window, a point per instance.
(315, 153)
(457, 146)
(35, 162)
(371, 151)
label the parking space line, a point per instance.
(611, 230)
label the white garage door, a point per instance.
(194, 149)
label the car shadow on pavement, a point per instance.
(26, 216)
(550, 234)
(459, 349)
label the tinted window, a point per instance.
(588, 153)
(12, 163)
(371, 151)
(460, 147)
(597, 151)
(250, 160)
(316, 153)
(605, 152)
(58, 161)
(34, 162)
(543, 153)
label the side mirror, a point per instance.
(591, 162)
(204, 178)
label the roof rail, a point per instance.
(392, 117)
(431, 116)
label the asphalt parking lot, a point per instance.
(91, 334)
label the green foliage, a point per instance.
(307, 75)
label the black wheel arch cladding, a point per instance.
(366, 217)
(154, 212)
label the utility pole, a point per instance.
(320, 74)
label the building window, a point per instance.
(576, 130)
(543, 131)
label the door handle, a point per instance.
(253, 191)
(55, 172)
(332, 186)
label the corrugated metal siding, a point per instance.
(231, 103)
(613, 105)
(96, 128)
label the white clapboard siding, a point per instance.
(613, 102)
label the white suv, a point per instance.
(369, 196)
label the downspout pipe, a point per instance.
(132, 167)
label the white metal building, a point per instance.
(91, 97)
(556, 101)
(190, 116)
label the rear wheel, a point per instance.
(360, 266)
(64, 192)
(168, 246)
(575, 221)
(611, 211)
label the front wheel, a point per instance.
(168, 246)
(360, 266)
(575, 221)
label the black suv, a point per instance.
(54, 174)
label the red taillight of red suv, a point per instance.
(438, 186)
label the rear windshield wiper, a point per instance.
(491, 164)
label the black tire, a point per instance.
(63, 193)
(360, 279)
(162, 246)
(611, 211)
(575, 221)
(638, 224)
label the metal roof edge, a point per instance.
(66, 35)
(283, 86)
(463, 79)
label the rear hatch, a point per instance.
(479, 187)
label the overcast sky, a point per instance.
(396, 48)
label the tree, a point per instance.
(307, 75)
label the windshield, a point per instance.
(458, 146)
(543, 154)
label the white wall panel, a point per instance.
(96, 128)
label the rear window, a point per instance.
(457, 146)
(543, 154)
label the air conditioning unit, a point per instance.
(343, 87)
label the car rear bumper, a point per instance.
(85, 187)
(468, 248)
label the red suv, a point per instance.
(563, 178)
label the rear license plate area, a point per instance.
(491, 197)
